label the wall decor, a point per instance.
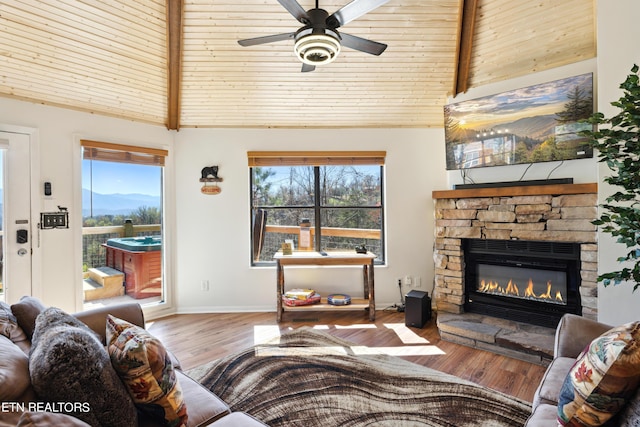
(209, 176)
(537, 123)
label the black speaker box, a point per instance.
(417, 310)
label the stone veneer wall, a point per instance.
(542, 217)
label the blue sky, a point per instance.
(122, 178)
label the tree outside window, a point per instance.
(344, 204)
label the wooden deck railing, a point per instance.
(360, 233)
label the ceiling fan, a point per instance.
(318, 41)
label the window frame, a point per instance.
(317, 160)
(107, 152)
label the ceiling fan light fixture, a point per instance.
(317, 49)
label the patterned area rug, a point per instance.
(311, 378)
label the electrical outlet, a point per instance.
(407, 281)
(204, 285)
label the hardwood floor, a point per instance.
(199, 338)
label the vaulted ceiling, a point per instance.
(177, 62)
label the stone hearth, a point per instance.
(522, 341)
(560, 213)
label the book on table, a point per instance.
(301, 294)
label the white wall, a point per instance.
(582, 170)
(618, 35)
(209, 235)
(58, 252)
(213, 232)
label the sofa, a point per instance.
(21, 404)
(573, 335)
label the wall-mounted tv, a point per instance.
(533, 124)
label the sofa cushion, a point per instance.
(69, 364)
(9, 327)
(544, 415)
(549, 389)
(603, 378)
(26, 310)
(204, 406)
(146, 369)
(14, 371)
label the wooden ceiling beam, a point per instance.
(174, 62)
(467, 25)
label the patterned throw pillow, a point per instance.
(146, 369)
(603, 378)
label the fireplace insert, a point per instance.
(526, 281)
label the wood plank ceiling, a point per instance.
(178, 63)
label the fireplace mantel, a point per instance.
(532, 190)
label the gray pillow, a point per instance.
(69, 364)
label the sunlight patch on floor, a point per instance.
(266, 333)
(412, 343)
(357, 326)
(406, 335)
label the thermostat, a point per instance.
(54, 220)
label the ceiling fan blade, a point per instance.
(296, 10)
(265, 39)
(363, 45)
(306, 68)
(354, 10)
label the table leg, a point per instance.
(372, 296)
(365, 281)
(280, 290)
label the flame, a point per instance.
(546, 295)
(529, 291)
(512, 289)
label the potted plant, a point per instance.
(617, 140)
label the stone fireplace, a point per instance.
(557, 214)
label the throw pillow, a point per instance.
(603, 378)
(9, 327)
(69, 364)
(14, 371)
(26, 310)
(146, 369)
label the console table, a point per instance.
(345, 258)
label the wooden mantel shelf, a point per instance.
(533, 190)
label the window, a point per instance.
(122, 189)
(340, 193)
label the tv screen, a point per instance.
(538, 123)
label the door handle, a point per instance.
(22, 251)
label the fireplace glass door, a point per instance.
(524, 283)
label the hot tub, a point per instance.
(137, 244)
(140, 259)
